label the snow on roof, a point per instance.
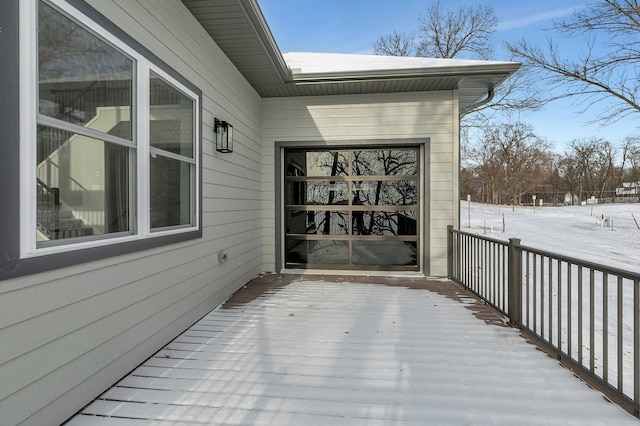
(311, 62)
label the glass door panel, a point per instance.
(352, 209)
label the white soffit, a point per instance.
(241, 31)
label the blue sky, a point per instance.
(353, 26)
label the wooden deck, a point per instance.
(318, 350)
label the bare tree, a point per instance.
(446, 33)
(579, 166)
(396, 44)
(606, 69)
(603, 173)
(630, 163)
(569, 172)
(465, 32)
(512, 161)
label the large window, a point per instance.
(116, 147)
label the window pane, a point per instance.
(317, 193)
(322, 252)
(82, 79)
(171, 200)
(385, 193)
(317, 163)
(171, 118)
(318, 222)
(385, 163)
(381, 253)
(82, 187)
(384, 223)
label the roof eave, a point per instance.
(259, 23)
(502, 68)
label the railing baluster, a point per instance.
(485, 281)
(569, 311)
(495, 266)
(529, 299)
(542, 319)
(504, 277)
(534, 282)
(605, 327)
(592, 328)
(620, 339)
(466, 260)
(559, 321)
(550, 292)
(580, 305)
(636, 346)
(474, 248)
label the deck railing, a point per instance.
(587, 314)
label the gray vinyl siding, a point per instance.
(388, 118)
(74, 331)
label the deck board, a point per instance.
(292, 350)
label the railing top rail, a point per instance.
(42, 184)
(568, 259)
(470, 234)
(584, 263)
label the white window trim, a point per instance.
(140, 203)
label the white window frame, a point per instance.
(139, 181)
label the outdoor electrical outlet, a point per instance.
(222, 257)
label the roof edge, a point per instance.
(258, 21)
(504, 68)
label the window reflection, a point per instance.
(170, 192)
(395, 253)
(384, 223)
(82, 188)
(321, 252)
(318, 222)
(327, 163)
(317, 163)
(317, 193)
(171, 118)
(384, 163)
(385, 193)
(82, 79)
(368, 183)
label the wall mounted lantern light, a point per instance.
(224, 135)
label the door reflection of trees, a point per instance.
(349, 194)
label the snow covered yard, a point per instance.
(289, 350)
(575, 231)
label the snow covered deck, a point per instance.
(295, 350)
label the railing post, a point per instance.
(449, 251)
(55, 197)
(515, 282)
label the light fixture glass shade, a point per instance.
(224, 135)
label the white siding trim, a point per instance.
(28, 112)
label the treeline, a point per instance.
(508, 164)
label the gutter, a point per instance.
(469, 108)
(299, 77)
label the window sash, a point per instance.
(140, 148)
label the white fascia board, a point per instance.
(261, 27)
(502, 68)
